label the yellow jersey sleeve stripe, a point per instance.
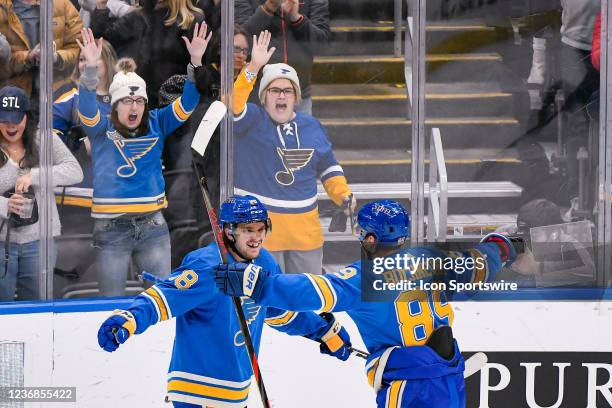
(281, 320)
(163, 298)
(128, 208)
(208, 390)
(91, 122)
(326, 292)
(371, 373)
(393, 394)
(74, 201)
(163, 311)
(179, 111)
(153, 303)
(66, 96)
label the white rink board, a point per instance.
(61, 350)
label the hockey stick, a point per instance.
(203, 134)
(351, 215)
(472, 365)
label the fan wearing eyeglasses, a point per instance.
(279, 155)
(127, 146)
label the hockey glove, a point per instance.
(508, 246)
(335, 341)
(240, 279)
(116, 330)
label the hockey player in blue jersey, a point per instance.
(210, 366)
(414, 360)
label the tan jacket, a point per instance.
(67, 27)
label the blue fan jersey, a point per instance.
(210, 365)
(127, 171)
(402, 369)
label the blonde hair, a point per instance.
(108, 57)
(180, 12)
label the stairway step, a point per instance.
(359, 37)
(395, 133)
(372, 10)
(386, 100)
(388, 69)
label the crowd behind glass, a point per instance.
(119, 212)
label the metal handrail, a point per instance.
(408, 45)
(437, 213)
(415, 85)
(397, 28)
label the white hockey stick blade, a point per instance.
(207, 126)
(474, 364)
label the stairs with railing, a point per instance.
(359, 94)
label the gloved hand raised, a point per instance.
(116, 330)
(240, 279)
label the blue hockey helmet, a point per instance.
(387, 220)
(243, 210)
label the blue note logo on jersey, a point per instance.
(251, 311)
(130, 150)
(292, 158)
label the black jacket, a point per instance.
(158, 50)
(295, 43)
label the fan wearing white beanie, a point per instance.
(127, 146)
(292, 152)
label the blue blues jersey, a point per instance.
(128, 171)
(209, 365)
(290, 159)
(406, 323)
(280, 165)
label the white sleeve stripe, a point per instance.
(333, 292)
(314, 284)
(331, 169)
(163, 298)
(152, 301)
(237, 118)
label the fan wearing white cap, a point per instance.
(127, 147)
(292, 151)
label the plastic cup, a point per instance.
(27, 208)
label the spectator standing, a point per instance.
(297, 27)
(293, 151)
(126, 149)
(20, 185)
